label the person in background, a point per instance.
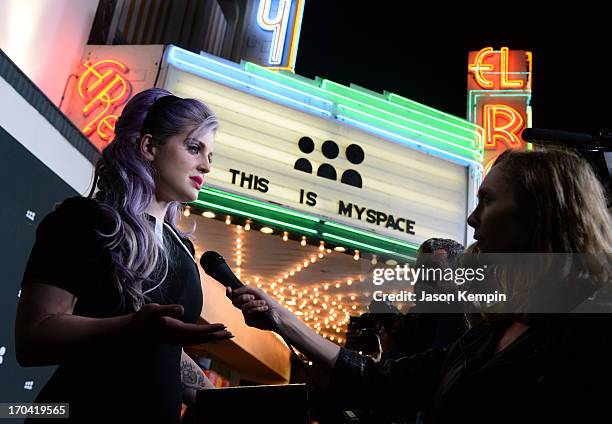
(111, 291)
(429, 325)
(508, 368)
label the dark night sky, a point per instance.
(418, 54)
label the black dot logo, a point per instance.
(327, 171)
(330, 149)
(306, 145)
(351, 177)
(355, 154)
(303, 165)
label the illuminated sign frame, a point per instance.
(389, 115)
(285, 27)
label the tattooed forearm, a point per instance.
(192, 376)
(189, 375)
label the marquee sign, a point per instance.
(330, 153)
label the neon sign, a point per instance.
(502, 124)
(284, 26)
(499, 98)
(492, 69)
(278, 26)
(103, 87)
(478, 67)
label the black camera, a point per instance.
(364, 334)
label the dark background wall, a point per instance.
(26, 185)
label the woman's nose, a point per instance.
(204, 167)
(472, 219)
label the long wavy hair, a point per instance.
(126, 187)
(565, 206)
(562, 197)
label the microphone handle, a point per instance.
(230, 279)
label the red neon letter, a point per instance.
(502, 123)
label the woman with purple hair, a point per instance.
(111, 291)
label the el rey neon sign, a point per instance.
(499, 97)
(104, 87)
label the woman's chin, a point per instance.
(192, 195)
(187, 197)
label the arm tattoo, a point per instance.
(189, 375)
(192, 375)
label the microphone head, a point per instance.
(210, 261)
(215, 266)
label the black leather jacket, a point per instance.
(557, 371)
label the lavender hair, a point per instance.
(126, 187)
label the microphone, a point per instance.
(579, 141)
(215, 266)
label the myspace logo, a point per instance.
(353, 153)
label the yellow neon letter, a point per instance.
(478, 67)
(505, 82)
(106, 127)
(112, 88)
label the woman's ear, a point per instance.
(146, 147)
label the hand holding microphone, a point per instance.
(263, 312)
(259, 310)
